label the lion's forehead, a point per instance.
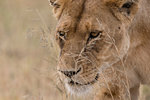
(82, 14)
(76, 8)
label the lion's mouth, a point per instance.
(80, 84)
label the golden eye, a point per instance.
(61, 33)
(95, 34)
(56, 5)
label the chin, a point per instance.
(78, 90)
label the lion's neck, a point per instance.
(139, 52)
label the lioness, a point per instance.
(105, 46)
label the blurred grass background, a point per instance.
(28, 56)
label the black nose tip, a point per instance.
(71, 73)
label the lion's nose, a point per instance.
(70, 73)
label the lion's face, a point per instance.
(92, 35)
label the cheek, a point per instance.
(101, 46)
(118, 39)
(104, 50)
(108, 49)
(98, 47)
(121, 37)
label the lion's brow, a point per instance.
(76, 11)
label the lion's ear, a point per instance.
(127, 8)
(52, 2)
(58, 6)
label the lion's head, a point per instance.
(92, 34)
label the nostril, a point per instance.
(71, 73)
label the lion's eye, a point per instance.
(61, 38)
(95, 34)
(61, 33)
(56, 5)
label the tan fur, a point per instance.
(120, 56)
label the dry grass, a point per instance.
(28, 56)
